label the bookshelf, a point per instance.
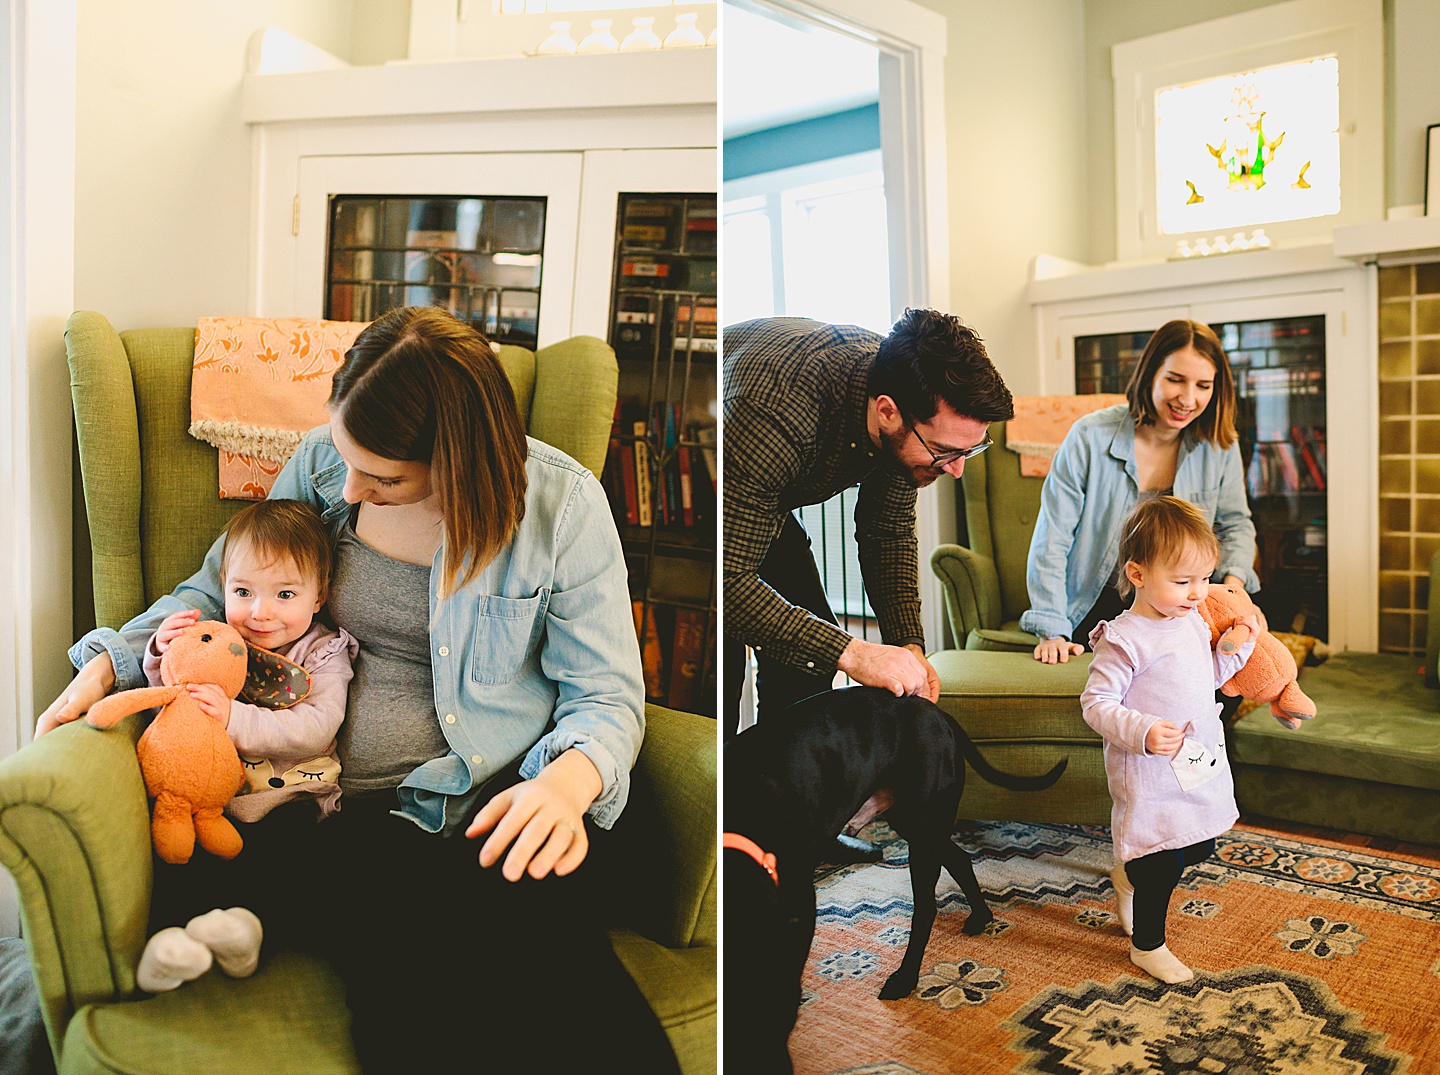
(1279, 369)
(661, 468)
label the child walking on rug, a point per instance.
(1151, 696)
(275, 569)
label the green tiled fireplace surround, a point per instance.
(1409, 318)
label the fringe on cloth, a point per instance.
(275, 445)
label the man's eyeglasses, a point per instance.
(944, 459)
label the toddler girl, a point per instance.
(1151, 695)
(275, 571)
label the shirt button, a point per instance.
(449, 718)
(444, 651)
(476, 758)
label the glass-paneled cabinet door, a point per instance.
(489, 236)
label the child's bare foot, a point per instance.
(233, 936)
(1161, 963)
(1124, 897)
(171, 958)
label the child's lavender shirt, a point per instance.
(1144, 671)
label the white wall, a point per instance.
(1015, 118)
(162, 184)
(1413, 95)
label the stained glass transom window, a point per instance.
(1252, 148)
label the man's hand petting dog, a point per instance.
(900, 670)
(791, 784)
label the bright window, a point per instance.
(809, 242)
(1251, 148)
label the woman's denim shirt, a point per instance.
(1091, 488)
(535, 656)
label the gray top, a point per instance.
(391, 727)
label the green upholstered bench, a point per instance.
(1025, 716)
(1369, 762)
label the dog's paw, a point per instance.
(976, 923)
(899, 986)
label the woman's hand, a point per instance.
(542, 820)
(91, 684)
(213, 702)
(1058, 649)
(1164, 739)
(1236, 582)
(172, 625)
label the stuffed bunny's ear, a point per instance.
(273, 681)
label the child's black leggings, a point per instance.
(1155, 877)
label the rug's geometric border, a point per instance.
(1244, 853)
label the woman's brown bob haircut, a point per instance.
(282, 529)
(1216, 423)
(420, 385)
(1164, 530)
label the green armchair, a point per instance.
(74, 829)
(984, 585)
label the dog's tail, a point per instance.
(992, 775)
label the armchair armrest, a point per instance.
(666, 836)
(75, 835)
(971, 586)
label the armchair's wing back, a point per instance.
(150, 487)
(574, 403)
(1001, 507)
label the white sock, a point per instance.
(171, 958)
(233, 936)
(1124, 898)
(1161, 963)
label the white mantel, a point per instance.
(1390, 242)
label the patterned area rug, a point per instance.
(1310, 957)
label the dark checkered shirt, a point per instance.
(795, 399)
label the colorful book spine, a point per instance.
(643, 490)
(1311, 463)
(685, 659)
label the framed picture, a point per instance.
(1432, 169)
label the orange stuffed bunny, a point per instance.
(1269, 675)
(190, 766)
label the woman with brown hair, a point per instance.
(1175, 435)
(497, 696)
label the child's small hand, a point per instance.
(1164, 739)
(172, 625)
(213, 702)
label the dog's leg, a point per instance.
(924, 872)
(957, 863)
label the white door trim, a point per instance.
(37, 244)
(911, 41)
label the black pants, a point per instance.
(1155, 877)
(447, 966)
(789, 569)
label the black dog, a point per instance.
(791, 784)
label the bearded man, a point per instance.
(811, 409)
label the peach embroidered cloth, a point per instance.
(258, 385)
(1040, 424)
